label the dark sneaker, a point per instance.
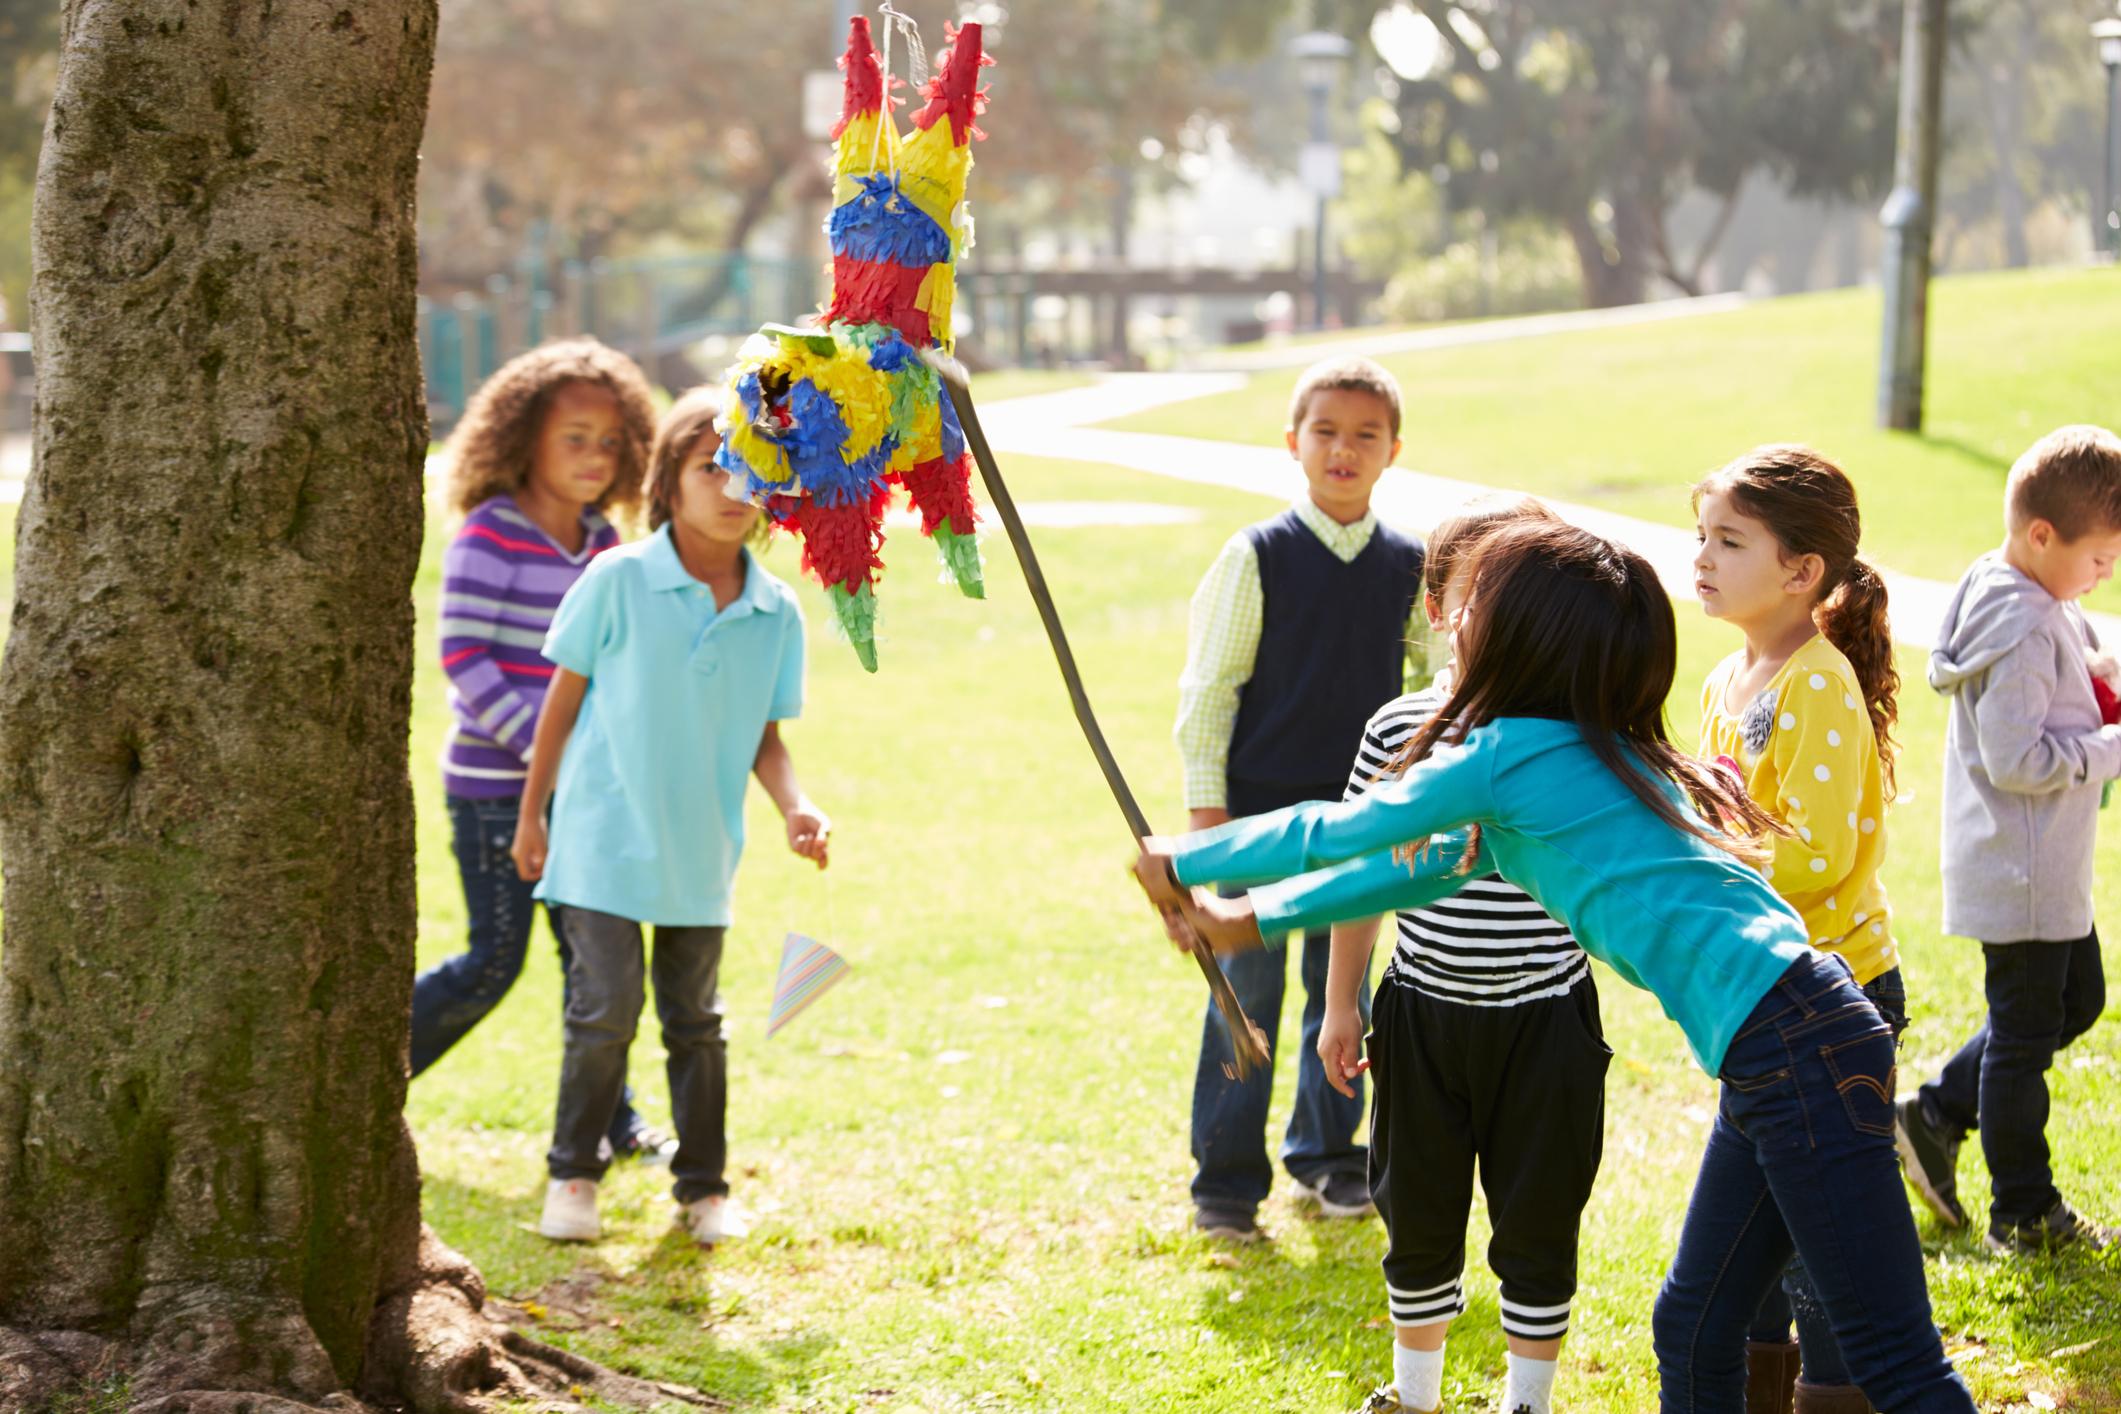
(2058, 1227)
(1930, 1161)
(1227, 1224)
(647, 1145)
(1339, 1195)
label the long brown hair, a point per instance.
(1564, 624)
(491, 451)
(1809, 506)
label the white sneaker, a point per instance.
(713, 1219)
(570, 1211)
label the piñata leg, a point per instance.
(942, 492)
(842, 546)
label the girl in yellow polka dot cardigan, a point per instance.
(1803, 714)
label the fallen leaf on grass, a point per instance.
(2069, 1352)
(2038, 1400)
(1221, 1259)
(1375, 1323)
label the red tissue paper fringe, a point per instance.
(955, 90)
(878, 292)
(864, 90)
(942, 491)
(843, 544)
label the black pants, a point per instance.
(2041, 997)
(1518, 1090)
(603, 1008)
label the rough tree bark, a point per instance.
(206, 1184)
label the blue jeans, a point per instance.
(451, 997)
(2041, 997)
(1796, 1299)
(1801, 1158)
(1233, 1171)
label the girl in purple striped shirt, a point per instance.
(550, 444)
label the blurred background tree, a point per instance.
(1500, 154)
(29, 62)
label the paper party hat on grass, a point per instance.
(808, 967)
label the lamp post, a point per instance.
(2106, 229)
(1909, 216)
(1319, 56)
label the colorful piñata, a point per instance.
(825, 420)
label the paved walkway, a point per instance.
(1053, 425)
(1061, 425)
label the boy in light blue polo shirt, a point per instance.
(675, 659)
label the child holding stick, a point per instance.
(1549, 762)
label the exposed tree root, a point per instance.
(432, 1349)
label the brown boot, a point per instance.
(1770, 1376)
(1830, 1399)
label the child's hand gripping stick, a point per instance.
(1248, 1044)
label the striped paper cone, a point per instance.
(808, 967)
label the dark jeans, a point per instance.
(451, 997)
(1796, 1299)
(1801, 1158)
(604, 1007)
(1234, 1173)
(2041, 997)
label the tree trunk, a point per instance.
(1614, 273)
(207, 1190)
(2002, 108)
(205, 812)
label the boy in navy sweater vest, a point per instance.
(1298, 633)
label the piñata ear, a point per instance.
(935, 164)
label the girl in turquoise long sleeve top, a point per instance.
(1549, 764)
(1667, 910)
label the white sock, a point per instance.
(1530, 1389)
(1418, 1376)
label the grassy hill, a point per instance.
(1628, 418)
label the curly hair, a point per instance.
(491, 451)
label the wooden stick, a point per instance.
(1248, 1044)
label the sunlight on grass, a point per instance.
(1628, 418)
(969, 1160)
(971, 1157)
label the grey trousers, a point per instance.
(605, 977)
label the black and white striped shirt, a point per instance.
(1489, 944)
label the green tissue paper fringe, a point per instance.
(856, 612)
(961, 558)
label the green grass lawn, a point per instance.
(993, 387)
(970, 1157)
(1629, 418)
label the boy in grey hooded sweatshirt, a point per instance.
(2026, 755)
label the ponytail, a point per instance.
(1853, 618)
